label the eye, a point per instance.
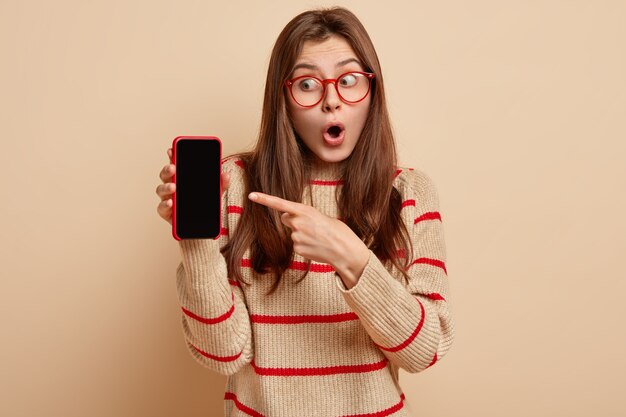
(308, 84)
(348, 80)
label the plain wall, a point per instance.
(516, 109)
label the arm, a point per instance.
(215, 319)
(411, 323)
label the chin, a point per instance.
(331, 156)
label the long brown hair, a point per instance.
(368, 203)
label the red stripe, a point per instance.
(314, 267)
(234, 209)
(297, 265)
(251, 412)
(238, 162)
(325, 182)
(224, 231)
(431, 215)
(407, 203)
(435, 296)
(411, 338)
(332, 318)
(234, 283)
(218, 358)
(328, 370)
(254, 413)
(398, 171)
(323, 268)
(212, 320)
(240, 406)
(430, 261)
(382, 413)
(433, 361)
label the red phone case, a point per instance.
(174, 233)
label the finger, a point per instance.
(165, 209)
(166, 190)
(169, 153)
(225, 181)
(275, 202)
(285, 218)
(167, 172)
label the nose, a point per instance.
(331, 100)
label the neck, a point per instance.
(331, 171)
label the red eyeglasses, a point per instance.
(351, 87)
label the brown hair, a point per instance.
(368, 203)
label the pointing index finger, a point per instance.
(274, 202)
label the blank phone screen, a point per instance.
(198, 188)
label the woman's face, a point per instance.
(328, 59)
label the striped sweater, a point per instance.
(317, 348)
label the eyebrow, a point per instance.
(315, 67)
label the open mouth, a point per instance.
(334, 131)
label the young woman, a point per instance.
(329, 274)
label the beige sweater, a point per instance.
(315, 348)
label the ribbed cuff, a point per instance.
(205, 266)
(384, 305)
(372, 283)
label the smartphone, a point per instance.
(196, 212)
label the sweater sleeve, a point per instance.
(410, 323)
(215, 319)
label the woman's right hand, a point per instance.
(165, 190)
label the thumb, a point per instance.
(225, 181)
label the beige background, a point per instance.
(516, 109)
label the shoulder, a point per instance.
(233, 164)
(236, 167)
(416, 187)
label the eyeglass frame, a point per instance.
(370, 75)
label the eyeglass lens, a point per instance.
(352, 87)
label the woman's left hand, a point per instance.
(319, 237)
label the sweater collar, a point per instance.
(327, 171)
